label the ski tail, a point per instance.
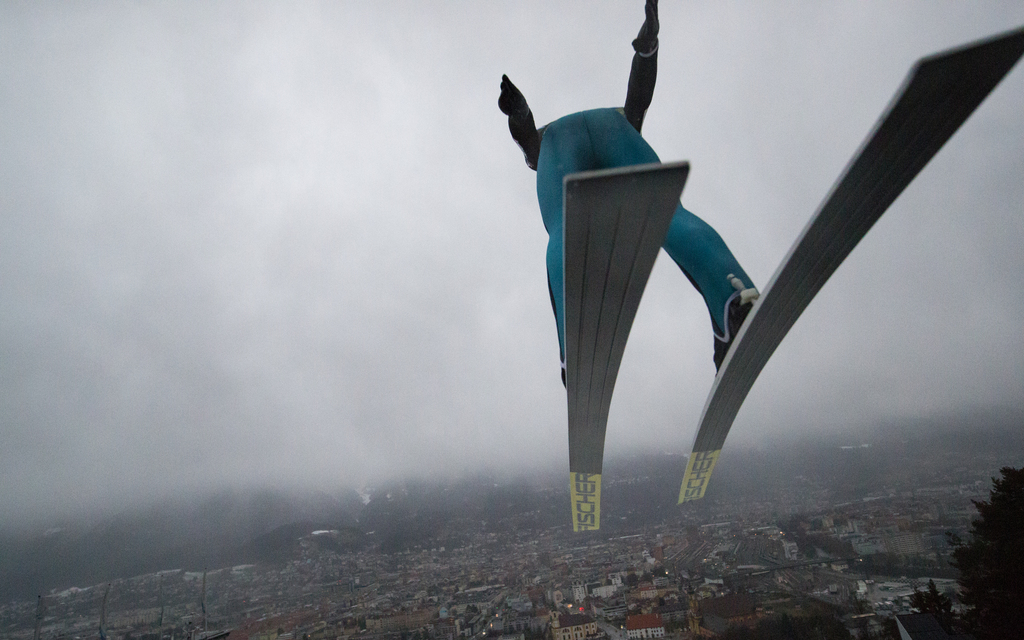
(585, 495)
(698, 472)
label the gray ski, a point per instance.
(615, 223)
(939, 94)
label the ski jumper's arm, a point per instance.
(520, 121)
(644, 72)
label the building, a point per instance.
(446, 629)
(905, 543)
(609, 609)
(672, 611)
(579, 591)
(509, 624)
(739, 609)
(573, 627)
(400, 620)
(647, 625)
(922, 626)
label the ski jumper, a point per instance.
(604, 139)
(610, 138)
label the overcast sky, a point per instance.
(293, 243)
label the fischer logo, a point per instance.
(697, 475)
(586, 501)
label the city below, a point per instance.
(835, 534)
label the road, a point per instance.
(613, 631)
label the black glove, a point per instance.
(520, 121)
(511, 101)
(647, 40)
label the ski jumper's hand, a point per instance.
(511, 101)
(520, 121)
(646, 41)
(644, 72)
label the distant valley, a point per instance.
(242, 527)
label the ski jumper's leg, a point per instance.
(597, 139)
(565, 148)
(705, 259)
(694, 246)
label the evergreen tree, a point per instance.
(784, 627)
(935, 603)
(991, 562)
